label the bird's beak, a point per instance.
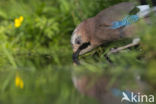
(77, 52)
(75, 57)
(75, 48)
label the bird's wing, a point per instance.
(114, 13)
(103, 22)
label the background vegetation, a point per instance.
(35, 52)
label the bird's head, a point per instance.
(80, 41)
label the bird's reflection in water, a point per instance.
(99, 86)
(96, 86)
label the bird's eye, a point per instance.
(78, 41)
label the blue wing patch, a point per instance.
(128, 20)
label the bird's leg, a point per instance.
(134, 43)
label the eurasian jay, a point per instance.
(107, 26)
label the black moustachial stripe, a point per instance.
(84, 45)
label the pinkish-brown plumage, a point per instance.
(97, 30)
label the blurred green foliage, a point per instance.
(40, 52)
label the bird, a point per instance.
(111, 24)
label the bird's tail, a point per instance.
(145, 10)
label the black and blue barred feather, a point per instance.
(128, 20)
